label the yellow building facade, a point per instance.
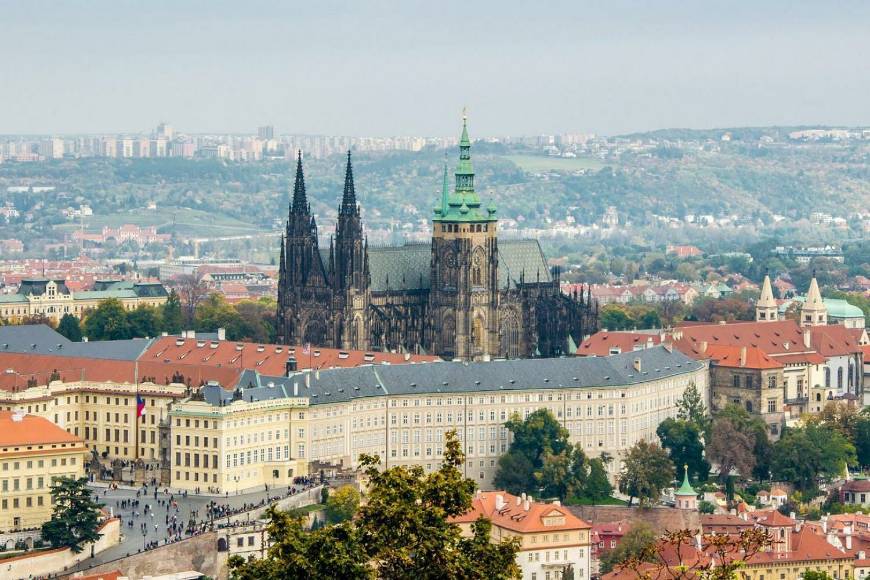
(33, 453)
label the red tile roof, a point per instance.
(730, 356)
(773, 338)
(513, 516)
(600, 343)
(267, 359)
(834, 340)
(31, 430)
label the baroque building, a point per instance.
(465, 295)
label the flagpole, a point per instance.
(136, 412)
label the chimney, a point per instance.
(824, 524)
(84, 339)
(222, 333)
(637, 365)
(295, 389)
(862, 555)
(307, 380)
(703, 348)
(499, 502)
(519, 500)
(188, 334)
(848, 532)
(698, 543)
(742, 356)
(808, 338)
(524, 496)
(290, 366)
(527, 505)
(557, 502)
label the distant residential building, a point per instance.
(551, 537)
(803, 255)
(11, 246)
(124, 233)
(856, 492)
(53, 299)
(684, 251)
(610, 218)
(266, 132)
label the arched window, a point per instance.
(510, 336)
(827, 377)
(749, 406)
(840, 378)
(477, 333)
(448, 335)
(852, 376)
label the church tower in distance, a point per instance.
(349, 271)
(463, 298)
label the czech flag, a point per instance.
(140, 406)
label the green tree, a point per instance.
(615, 317)
(404, 524)
(682, 439)
(635, 543)
(646, 471)
(515, 473)
(862, 438)
(816, 575)
(144, 321)
(328, 552)
(538, 435)
(403, 531)
(215, 312)
(805, 454)
(171, 315)
(706, 507)
(75, 516)
(343, 504)
(690, 407)
(563, 475)
(598, 487)
(108, 322)
(70, 327)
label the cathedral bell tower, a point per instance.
(303, 293)
(463, 298)
(349, 270)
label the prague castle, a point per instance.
(466, 295)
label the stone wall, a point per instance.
(659, 518)
(60, 559)
(198, 553)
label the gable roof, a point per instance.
(407, 267)
(773, 338)
(42, 339)
(834, 340)
(729, 356)
(344, 384)
(513, 515)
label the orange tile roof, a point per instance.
(600, 343)
(17, 368)
(31, 430)
(770, 518)
(515, 517)
(113, 575)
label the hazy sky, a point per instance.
(408, 67)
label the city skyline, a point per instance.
(409, 70)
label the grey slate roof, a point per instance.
(41, 339)
(344, 384)
(411, 260)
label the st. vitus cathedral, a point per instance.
(465, 295)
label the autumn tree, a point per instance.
(192, 290)
(635, 544)
(730, 450)
(343, 504)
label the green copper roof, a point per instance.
(837, 307)
(686, 488)
(463, 205)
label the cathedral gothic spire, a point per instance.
(348, 200)
(300, 199)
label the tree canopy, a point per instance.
(682, 439)
(343, 504)
(70, 327)
(646, 471)
(75, 517)
(805, 454)
(403, 531)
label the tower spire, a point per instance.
(300, 199)
(766, 308)
(445, 191)
(348, 201)
(814, 312)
